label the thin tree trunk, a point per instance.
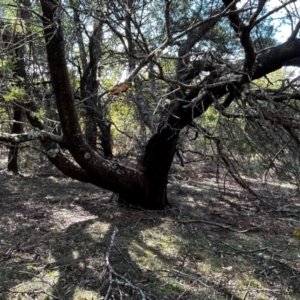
(20, 77)
(95, 115)
(12, 164)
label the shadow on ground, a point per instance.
(214, 244)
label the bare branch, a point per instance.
(167, 18)
(261, 4)
(295, 31)
(171, 41)
(116, 278)
(219, 225)
(243, 32)
(272, 12)
(30, 136)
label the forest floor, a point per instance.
(62, 239)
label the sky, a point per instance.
(284, 30)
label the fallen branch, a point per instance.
(190, 277)
(245, 251)
(219, 225)
(115, 278)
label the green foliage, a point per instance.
(273, 80)
(7, 11)
(123, 118)
(6, 68)
(18, 26)
(40, 114)
(210, 118)
(297, 233)
(16, 94)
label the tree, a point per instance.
(201, 76)
(14, 36)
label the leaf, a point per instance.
(120, 88)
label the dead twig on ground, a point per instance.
(256, 228)
(245, 251)
(116, 278)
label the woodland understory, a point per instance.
(149, 149)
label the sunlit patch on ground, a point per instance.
(216, 243)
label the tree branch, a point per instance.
(272, 12)
(295, 31)
(30, 136)
(104, 173)
(243, 32)
(167, 18)
(260, 6)
(171, 41)
(274, 58)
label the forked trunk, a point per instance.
(155, 165)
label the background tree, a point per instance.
(14, 38)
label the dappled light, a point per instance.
(149, 150)
(214, 244)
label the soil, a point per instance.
(62, 239)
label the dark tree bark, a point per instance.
(12, 164)
(104, 173)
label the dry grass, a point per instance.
(55, 234)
